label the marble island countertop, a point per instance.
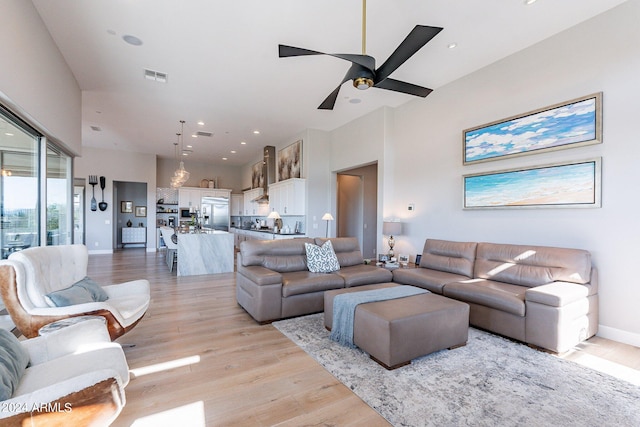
(205, 253)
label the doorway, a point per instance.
(357, 207)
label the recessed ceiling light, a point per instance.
(224, 158)
(233, 151)
(243, 143)
(201, 123)
(189, 146)
(132, 40)
(8, 134)
(528, 2)
(355, 101)
(257, 132)
(185, 154)
(452, 45)
(193, 135)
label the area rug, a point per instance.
(490, 381)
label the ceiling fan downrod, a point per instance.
(363, 82)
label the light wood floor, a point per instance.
(199, 359)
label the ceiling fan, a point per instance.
(363, 69)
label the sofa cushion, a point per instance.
(531, 265)
(347, 250)
(97, 293)
(433, 280)
(81, 292)
(500, 296)
(304, 282)
(278, 255)
(357, 275)
(13, 362)
(448, 256)
(321, 259)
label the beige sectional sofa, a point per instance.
(544, 296)
(273, 281)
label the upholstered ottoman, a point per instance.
(393, 332)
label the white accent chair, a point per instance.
(29, 275)
(75, 376)
(172, 248)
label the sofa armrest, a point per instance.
(557, 294)
(260, 275)
(66, 341)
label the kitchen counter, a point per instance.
(266, 234)
(205, 253)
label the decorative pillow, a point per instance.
(321, 259)
(96, 291)
(13, 361)
(83, 291)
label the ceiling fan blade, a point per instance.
(330, 100)
(416, 39)
(286, 51)
(404, 87)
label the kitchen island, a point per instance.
(208, 252)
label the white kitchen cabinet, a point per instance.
(207, 192)
(288, 197)
(253, 208)
(237, 205)
(189, 197)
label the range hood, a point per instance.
(268, 173)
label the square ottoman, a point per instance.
(393, 332)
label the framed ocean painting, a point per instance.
(566, 125)
(567, 185)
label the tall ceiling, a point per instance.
(222, 65)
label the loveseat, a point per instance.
(274, 282)
(69, 377)
(544, 296)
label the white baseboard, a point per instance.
(619, 335)
(152, 250)
(101, 252)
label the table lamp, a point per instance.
(327, 217)
(274, 215)
(390, 228)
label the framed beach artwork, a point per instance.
(257, 175)
(290, 161)
(567, 185)
(566, 125)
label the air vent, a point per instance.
(155, 76)
(207, 134)
(96, 129)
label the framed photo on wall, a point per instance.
(568, 185)
(290, 161)
(568, 124)
(257, 175)
(141, 211)
(126, 207)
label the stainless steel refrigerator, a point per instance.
(215, 213)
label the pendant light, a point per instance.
(180, 176)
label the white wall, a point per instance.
(600, 55)
(35, 81)
(118, 166)
(228, 177)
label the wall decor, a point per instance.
(568, 185)
(257, 175)
(290, 161)
(141, 211)
(126, 206)
(565, 125)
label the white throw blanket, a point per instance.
(344, 308)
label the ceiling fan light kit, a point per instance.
(363, 71)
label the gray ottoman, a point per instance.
(394, 332)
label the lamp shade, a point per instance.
(274, 215)
(327, 217)
(391, 228)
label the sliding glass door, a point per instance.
(19, 187)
